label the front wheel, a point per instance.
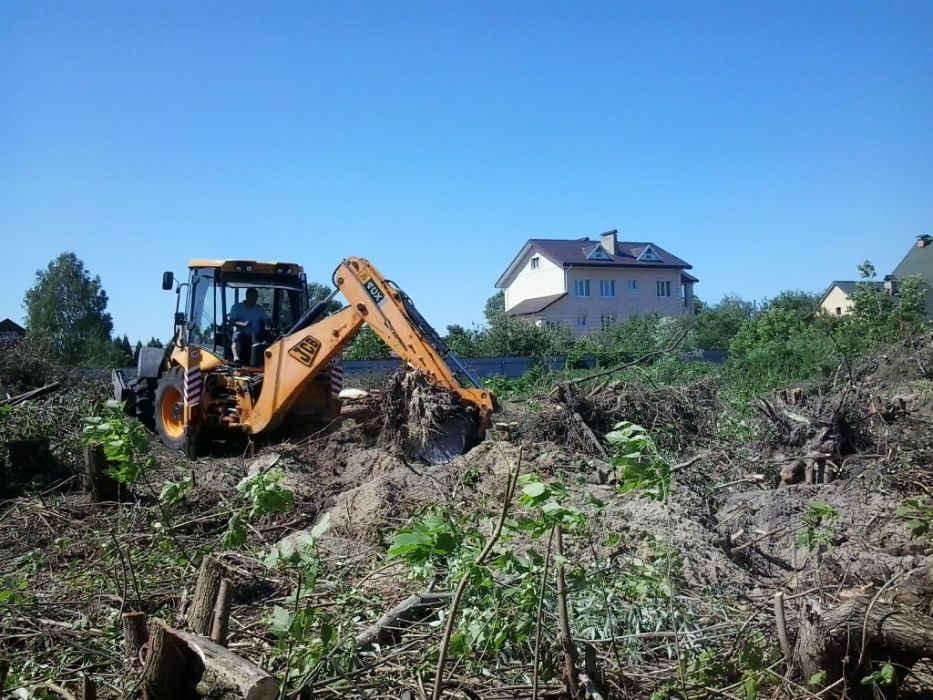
(170, 414)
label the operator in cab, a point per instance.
(249, 321)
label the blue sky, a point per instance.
(773, 145)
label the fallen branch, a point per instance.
(31, 394)
(410, 610)
(671, 346)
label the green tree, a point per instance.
(508, 337)
(884, 313)
(778, 346)
(319, 292)
(494, 310)
(68, 307)
(155, 343)
(804, 304)
(367, 346)
(715, 326)
(463, 341)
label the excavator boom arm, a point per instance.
(294, 360)
(393, 317)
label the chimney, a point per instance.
(924, 240)
(608, 242)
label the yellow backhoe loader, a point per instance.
(290, 369)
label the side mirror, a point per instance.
(168, 280)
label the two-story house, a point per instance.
(587, 285)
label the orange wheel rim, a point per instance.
(173, 414)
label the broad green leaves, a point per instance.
(640, 466)
(124, 441)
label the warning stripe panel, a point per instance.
(192, 386)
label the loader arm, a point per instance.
(293, 361)
(393, 317)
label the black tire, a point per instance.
(144, 405)
(169, 414)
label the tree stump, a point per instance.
(831, 640)
(95, 481)
(201, 615)
(135, 633)
(220, 624)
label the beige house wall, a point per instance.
(571, 310)
(547, 279)
(837, 302)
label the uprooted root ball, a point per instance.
(417, 411)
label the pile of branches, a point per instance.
(678, 417)
(873, 408)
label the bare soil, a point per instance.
(70, 567)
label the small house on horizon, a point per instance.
(587, 285)
(11, 332)
(837, 299)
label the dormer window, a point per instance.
(536, 262)
(598, 253)
(649, 255)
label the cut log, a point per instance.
(409, 611)
(95, 481)
(186, 666)
(831, 640)
(228, 676)
(201, 615)
(171, 669)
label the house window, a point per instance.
(551, 325)
(607, 288)
(664, 288)
(839, 311)
(606, 321)
(633, 288)
(581, 288)
(581, 320)
(535, 262)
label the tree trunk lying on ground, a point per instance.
(836, 640)
(409, 611)
(184, 666)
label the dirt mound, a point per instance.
(665, 586)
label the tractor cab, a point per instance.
(202, 315)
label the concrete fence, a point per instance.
(485, 367)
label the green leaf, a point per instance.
(818, 678)
(281, 620)
(750, 686)
(535, 489)
(323, 525)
